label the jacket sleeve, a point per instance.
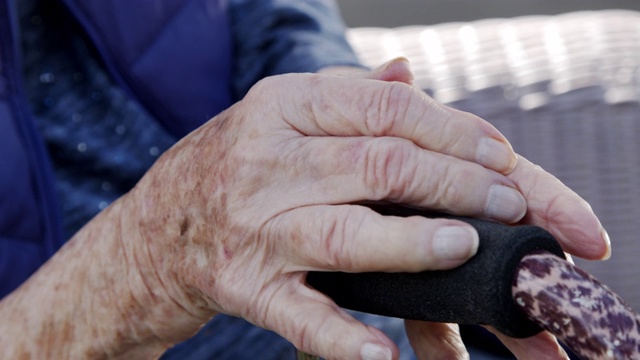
(283, 36)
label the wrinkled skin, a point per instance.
(231, 218)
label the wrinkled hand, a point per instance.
(551, 205)
(237, 212)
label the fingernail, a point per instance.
(496, 155)
(398, 69)
(455, 243)
(607, 241)
(375, 352)
(399, 60)
(382, 68)
(505, 204)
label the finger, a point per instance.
(351, 169)
(354, 238)
(542, 346)
(398, 69)
(315, 325)
(561, 211)
(435, 341)
(319, 105)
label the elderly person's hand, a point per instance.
(551, 205)
(232, 217)
(284, 169)
(240, 210)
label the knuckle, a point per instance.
(440, 185)
(333, 244)
(290, 96)
(304, 335)
(389, 168)
(449, 187)
(388, 104)
(262, 88)
(336, 236)
(271, 87)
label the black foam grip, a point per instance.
(476, 293)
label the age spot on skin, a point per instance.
(228, 254)
(184, 227)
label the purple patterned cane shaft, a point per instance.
(583, 313)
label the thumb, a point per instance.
(398, 69)
(314, 324)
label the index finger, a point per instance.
(318, 105)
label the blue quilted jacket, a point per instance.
(183, 60)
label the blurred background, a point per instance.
(392, 13)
